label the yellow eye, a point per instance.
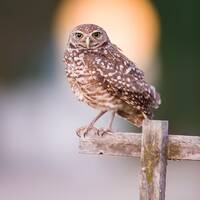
(78, 35)
(96, 34)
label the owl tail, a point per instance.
(134, 116)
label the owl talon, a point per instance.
(103, 131)
(84, 131)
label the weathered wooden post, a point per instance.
(153, 146)
(153, 160)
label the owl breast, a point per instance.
(85, 85)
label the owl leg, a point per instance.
(91, 124)
(111, 121)
(109, 128)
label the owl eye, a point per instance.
(79, 35)
(96, 34)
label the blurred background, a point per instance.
(39, 156)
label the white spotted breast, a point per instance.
(84, 83)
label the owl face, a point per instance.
(89, 36)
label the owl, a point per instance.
(104, 78)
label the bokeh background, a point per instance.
(39, 156)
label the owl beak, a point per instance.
(87, 41)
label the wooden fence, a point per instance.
(154, 147)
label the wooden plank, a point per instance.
(180, 147)
(153, 160)
(115, 144)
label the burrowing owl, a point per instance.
(101, 76)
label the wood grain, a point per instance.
(153, 160)
(180, 147)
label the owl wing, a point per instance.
(123, 77)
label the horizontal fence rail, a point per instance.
(180, 147)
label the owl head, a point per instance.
(89, 36)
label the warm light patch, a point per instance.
(131, 24)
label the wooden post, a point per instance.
(153, 160)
